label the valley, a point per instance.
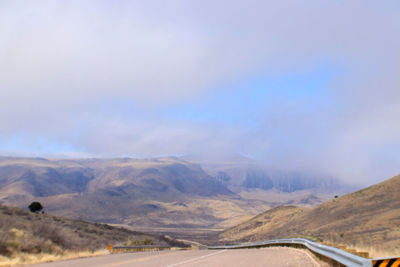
(162, 195)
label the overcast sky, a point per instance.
(297, 85)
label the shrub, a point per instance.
(147, 241)
(35, 207)
(133, 241)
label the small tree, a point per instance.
(35, 207)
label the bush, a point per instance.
(35, 207)
(147, 241)
(133, 242)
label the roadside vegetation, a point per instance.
(27, 237)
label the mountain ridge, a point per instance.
(138, 192)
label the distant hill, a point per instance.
(23, 233)
(26, 177)
(369, 217)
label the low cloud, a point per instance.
(65, 66)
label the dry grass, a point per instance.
(21, 259)
(376, 248)
(27, 238)
(375, 252)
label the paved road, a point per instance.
(194, 258)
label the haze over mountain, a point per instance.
(241, 173)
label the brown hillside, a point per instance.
(27, 233)
(369, 217)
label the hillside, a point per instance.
(27, 235)
(262, 223)
(369, 217)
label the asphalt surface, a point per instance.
(210, 258)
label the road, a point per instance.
(194, 258)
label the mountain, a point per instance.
(367, 218)
(160, 195)
(143, 193)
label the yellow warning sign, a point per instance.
(386, 263)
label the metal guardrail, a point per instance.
(332, 253)
(115, 249)
(134, 247)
